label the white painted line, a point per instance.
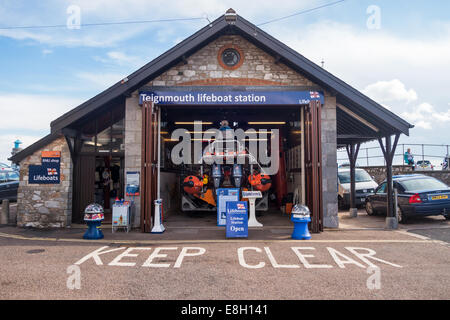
(288, 240)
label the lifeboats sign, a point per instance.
(163, 97)
(49, 170)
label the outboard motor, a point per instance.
(237, 175)
(217, 175)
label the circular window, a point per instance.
(230, 57)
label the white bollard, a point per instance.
(158, 226)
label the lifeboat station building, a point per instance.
(147, 137)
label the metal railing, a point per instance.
(373, 156)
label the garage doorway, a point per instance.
(186, 207)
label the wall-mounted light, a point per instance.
(191, 122)
(267, 122)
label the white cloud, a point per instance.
(32, 112)
(101, 80)
(424, 116)
(55, 13)
(362, 57)
(121, 59)
(46, 52)
(390, 91)
(442, 116)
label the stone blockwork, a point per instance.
(329, 163)
(133, 145)
(203, 68)
(379, 173)
(46, 205)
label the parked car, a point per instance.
(423, 165)
(4, 166)
(364, 186)
(418, 195)
(9, 183)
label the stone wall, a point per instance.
(379, 173)
(46, 205)
(133, 145)
(329, 163)
(258, 68)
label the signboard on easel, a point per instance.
(223, 196)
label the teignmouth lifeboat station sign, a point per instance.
(230, 97)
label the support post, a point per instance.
(352, 152)
(389, 152)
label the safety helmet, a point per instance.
(301, 210)
(93, 208)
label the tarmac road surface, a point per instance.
(356, 265)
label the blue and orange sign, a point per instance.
(49, 170)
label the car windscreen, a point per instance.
(423, 184)
(360, 176)
(13, 176)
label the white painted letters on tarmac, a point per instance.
(275, 263)
(185, 253)
(370, 254)
(242, 260)
(95, 255)
(126, 253)
(340, 262)
(305, 262)
(156, 254)
(248, 257)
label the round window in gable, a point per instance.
(230, 57)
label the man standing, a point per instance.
(409, 158)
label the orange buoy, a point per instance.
(260, 182)
(192, 185)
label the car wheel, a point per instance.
(401, 217)
(341, 203)
(369, 209)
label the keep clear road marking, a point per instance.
(365, 255)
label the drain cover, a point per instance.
(35, 251)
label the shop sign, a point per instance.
(49, 170)
(162, 97)
(237, 219)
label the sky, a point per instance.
(396, 52)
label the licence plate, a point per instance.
(363, 199)
(439, 197)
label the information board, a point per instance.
(237, 219)
(223, 196)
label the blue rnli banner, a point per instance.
(163, 97)
(237, 219)
(49, 170)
